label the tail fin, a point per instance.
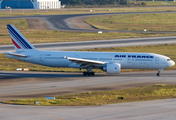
(19, 41)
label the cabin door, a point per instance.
(128, 60)
(156, 60)
(41, 57)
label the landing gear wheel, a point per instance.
(158, 74)
(84, 73)
(88, 73)
(92, 73)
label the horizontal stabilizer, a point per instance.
(16, 54)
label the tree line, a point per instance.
(93, 2)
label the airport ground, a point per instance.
(17, 85)
(77, 30)
(20, 85)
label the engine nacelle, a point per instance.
(112, 68)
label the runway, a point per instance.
(20, 85)
(97, 44)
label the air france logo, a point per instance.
(134, 56)
(120, 56)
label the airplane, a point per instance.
(110, 62)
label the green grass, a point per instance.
(167, 50)
(105, 97)
(136, 22)
(159, 85)
(47, 36)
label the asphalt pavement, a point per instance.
(97, 44)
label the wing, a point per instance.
(85, 63)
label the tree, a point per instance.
(123, 2)
(88, 2)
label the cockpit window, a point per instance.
(168, 59)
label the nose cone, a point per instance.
(171, 63)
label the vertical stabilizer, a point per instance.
(19, 41)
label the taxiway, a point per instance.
(18, 85)
(97, 44)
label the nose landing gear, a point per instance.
(159, 72)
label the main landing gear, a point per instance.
(159, 72)
(88, 73)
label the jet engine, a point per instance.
(112, 68)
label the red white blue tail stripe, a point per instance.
(18, 39)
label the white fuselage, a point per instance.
(127, 60)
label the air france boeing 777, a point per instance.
(111, 62)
